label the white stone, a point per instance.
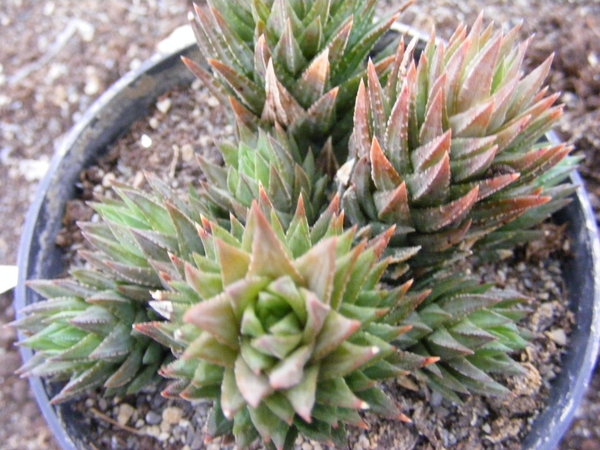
(49, 8)
(364, 441)
(86, 30)
(212, 101)
(205, 141)
(108, 179)
(165, 427)
(33, 169)
(164, 105)
(146, 141)
(153, 430)
(125, 413)
(558, 336)
(92, 86)
(172, 415)
(163, 437)
(187, 152)
(134, 64)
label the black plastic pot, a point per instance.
(129, 100)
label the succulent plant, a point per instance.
(265, 161)
(501, 241)
(446, 149)
(285, 331)
(83, 334)
(271, 306)
(472, 328)
(296, 63)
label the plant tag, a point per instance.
(8, 278)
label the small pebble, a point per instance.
(205, 141)
(125, 413)
(139, 179)
(152, 430)
(108, 179)
(102, 404)
(177, 432)
(213, 102)
(92, 86)
(157, 402)
(163, 437)
(363, 441)
(197, 85)
(172, 415)
(197, 442)
(86, 30)
(146, 141)
(187, 152)
(558, 336)
(165, 427)
(501, 276)
(436, 399)
(49, 8)
(135, 63)
(164, 105)
(153, 418)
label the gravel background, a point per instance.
(57, 57)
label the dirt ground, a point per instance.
(57, 57)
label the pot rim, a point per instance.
(27, 242)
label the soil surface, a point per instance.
(58, 56)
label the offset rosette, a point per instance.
(297, 64)
(284, 330)
(472, 327)
(268, 162)
(82, 334)
(446, 148)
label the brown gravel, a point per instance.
(58, 56)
